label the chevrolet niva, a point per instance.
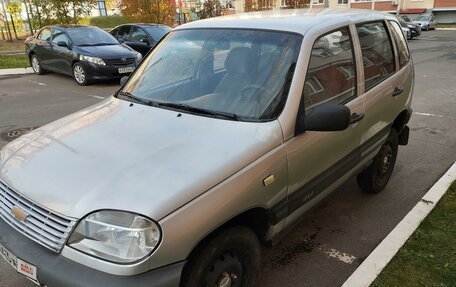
(226, 133)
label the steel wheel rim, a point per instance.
(35, 65)
(79, 74)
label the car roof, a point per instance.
(144, 25)
(291, 20)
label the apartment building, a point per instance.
(444, 10)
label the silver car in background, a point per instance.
(426, 22)
(223, 137)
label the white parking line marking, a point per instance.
(344, 257)
(38, 83)
(433, 115)
(96, 97)
(368, 271)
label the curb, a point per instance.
(368, 271)
(446, 29)
(16, 71)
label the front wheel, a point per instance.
(80, 74)
(230, 258)
(36, 65)
(377, 175)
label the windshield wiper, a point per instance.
(136, 99)
(185, 107)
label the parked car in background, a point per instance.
(141, 37)
(405, 18)
(407, 32)
(414, 29)
(225, 135)
(426, 22)
(85, 52)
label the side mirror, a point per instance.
(62, 44)
(145, 41)
(326, 117)
(123, 80)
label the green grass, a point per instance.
(428, 258)
(446, 26)
(13, 61)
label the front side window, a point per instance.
(59, 36)
(377, 51)
(401, 44)
(123, 32)
(245, 73)
(45, 34)
(90, 36)
(331, 76)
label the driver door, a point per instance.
(317, 160)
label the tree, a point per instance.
(60, 11)
(151, 11)
(211, 8)
(258, 5)
(14, 10)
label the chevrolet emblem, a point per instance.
(19, 214)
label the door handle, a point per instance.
(355, 117)
(397, 91)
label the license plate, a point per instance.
(126, 70)
(21, 266)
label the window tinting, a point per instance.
(401, 44)
(137, 34)
(331, 76)
(377, 53)
(45, 34)
(59, 36)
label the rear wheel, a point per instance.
(230, 259)
(80, 74)
(36, 65)
(377, 175)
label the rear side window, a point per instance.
(331, 76)
(138, 34)
(404, 56)
(377, 50)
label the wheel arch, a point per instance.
(401, 120)
(257, 219)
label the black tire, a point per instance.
(80, 75)
(36, 65)
(377, 175)
(232, 255)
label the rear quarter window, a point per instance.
(401, 43)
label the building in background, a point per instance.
(443, 10)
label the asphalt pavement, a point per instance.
(332, 240)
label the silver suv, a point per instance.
(229, 131)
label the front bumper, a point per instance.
(108, 72)
(54, 270)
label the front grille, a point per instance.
(120, 63)
(41, 225)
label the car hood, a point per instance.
(108, 51)
(123, 156)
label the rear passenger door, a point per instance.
(43, 48)
(319, 160)
(383, 87)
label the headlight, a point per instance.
(117, 236)
(94, 60)
(138, 57)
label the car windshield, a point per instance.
(91, 36)
(244, 73)
(158, 32)
(424, 18)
